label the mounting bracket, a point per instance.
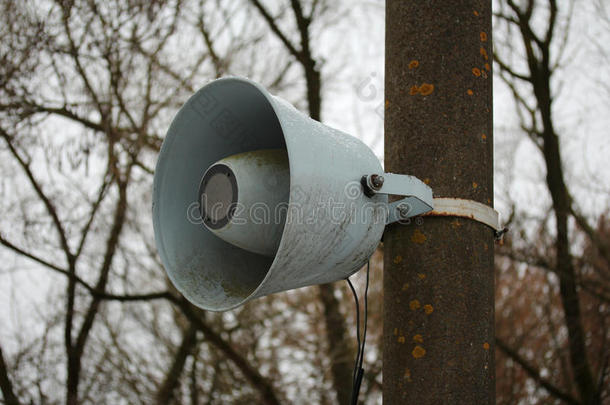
(418, 195)
(418, 200)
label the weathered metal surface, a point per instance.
(406, 208)
(459, 207)
(331, 227)
(404, 184)
(438, 275)
(419, 198)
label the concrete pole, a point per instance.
(438, 275)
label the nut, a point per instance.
(376, 181)
(403, 210)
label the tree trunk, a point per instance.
(438, 276)
(172, 378)
(6, 386)
(570, 300)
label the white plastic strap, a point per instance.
(458, 207)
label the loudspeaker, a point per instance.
(252, 197)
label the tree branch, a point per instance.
(503, 66)
(594, 237)
(75, 352)
(534, 374)
(276, 30)
(43, 197)
(94, 208)
(45, 263)
(268, 396)
(111, 245)
(172, 377)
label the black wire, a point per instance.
(358, 370)
(366, 304)
(355, 372)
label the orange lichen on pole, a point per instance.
(418, 352)
(476, 71)
(418, 237)
(426, 89)
(414, 305)
(413, 64)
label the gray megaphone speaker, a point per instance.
(252, 197)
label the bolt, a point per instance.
(403, 210)
(376, 181)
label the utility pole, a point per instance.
(438, 343)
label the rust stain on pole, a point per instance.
(438, 126)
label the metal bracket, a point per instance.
(418, 200)
(458, 207)
(418, 195)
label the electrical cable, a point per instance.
(358, 370)
(355, 372)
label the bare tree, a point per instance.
(543, 34)
(88, 89)
(109, 76)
